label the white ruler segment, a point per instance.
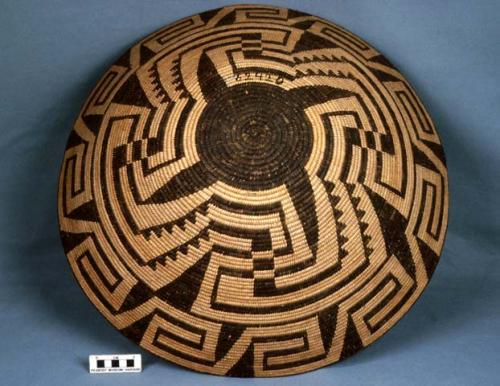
(122, 363)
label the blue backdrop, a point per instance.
(51, 55)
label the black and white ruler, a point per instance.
(123, 363)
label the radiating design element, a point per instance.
(253, 191)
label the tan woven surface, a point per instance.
(253, 191)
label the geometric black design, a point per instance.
(253, 191)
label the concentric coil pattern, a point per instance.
(253, 191)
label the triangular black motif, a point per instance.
(87, 212)
(207, 15)
(211, 83)
(352, 341)
(74, 140)
(382, 60)
(422, 159)
(93, 122)
(437, 149)
(327, 322)
(139, 294)
(132, 93)
(184, 183)
(228, 336)
(229, 19)
(136, 330)
(145, 54)
(292, 13)
(309, 41)
(182, 292)
(244, 366)
(71, 240)
(123, 60)
(393, 226)
(430, 258)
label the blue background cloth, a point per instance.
(51, 55)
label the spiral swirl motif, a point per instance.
(253, 191)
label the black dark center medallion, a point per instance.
(254, 136)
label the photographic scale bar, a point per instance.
(122, 363)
